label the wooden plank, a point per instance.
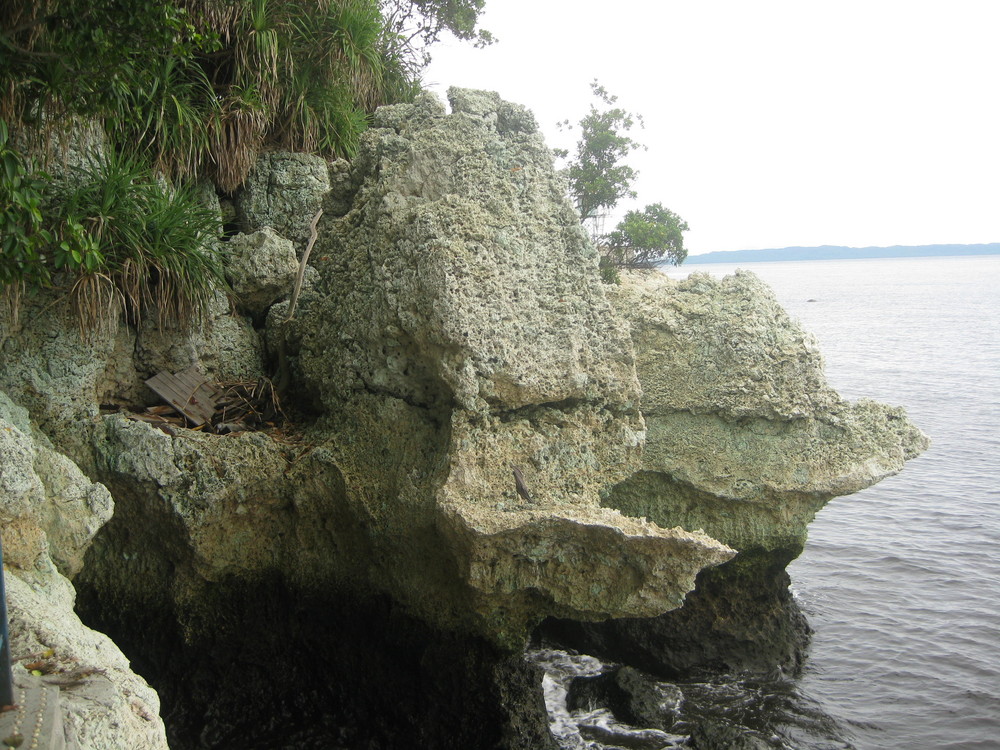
(36, 719)
(188, 392)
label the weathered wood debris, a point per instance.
(223, 407)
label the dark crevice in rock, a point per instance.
(261, 665)
(531, 412)
(441, 400)
(741, 617)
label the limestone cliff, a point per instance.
(738, 412)
(457, 329)
(452, 327)
(49, 513)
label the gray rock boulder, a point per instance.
(746, 441)
(49, 514)
(283, 191)
(63, 376)
(738, 410)
(60, 375)
(260, 268)
(223, 345)
(458, 328)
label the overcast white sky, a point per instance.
(773, 122)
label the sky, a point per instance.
(771, 123)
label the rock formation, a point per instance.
(457, 302)
(745, 440)
(49, 513)
(452, 326)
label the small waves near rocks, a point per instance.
(594, 705)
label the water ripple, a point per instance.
(900, 581)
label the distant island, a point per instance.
(836, 252)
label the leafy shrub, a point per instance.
(117, 237)
(146, 245)
(646, 238)
(200, 86)
(609, 272)
(22, 235)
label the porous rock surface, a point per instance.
(456, 326)
(49, 513)
(459, 318)
(260, 268)
(738, 411)
(63, 376)
(746, 441)
(283, 191)
(453, 326)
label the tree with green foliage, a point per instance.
(599, 178)
(646, 238)
(416, 25)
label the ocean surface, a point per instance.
(900, 582)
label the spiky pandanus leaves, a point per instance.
(295, 74)
(181, 255)
(166, 121)
(185, 88)
(257, 48)
(331, 77)
(154, 244)
(201, 85)
(237, 134)
(342, 41)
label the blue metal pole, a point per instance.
(6, 682)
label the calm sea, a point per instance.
(901, 582)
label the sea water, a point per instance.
(900, 582)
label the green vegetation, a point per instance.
(116, 237)
(644, 238)
(599, 178)
(198, 87)
(22, 234)
(416, 25)
(188, 89)
(141, 244)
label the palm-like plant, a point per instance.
(154, 245)
(200, 86)
(185, 88)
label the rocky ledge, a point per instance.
(746, 441)
(375, 578)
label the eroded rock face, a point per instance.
(745, 438)
(456, 327)
(49, 513)
(261, 268)
(452, 327)
(63, 376)
(459, 304)
(283, 191)
(746, 441)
